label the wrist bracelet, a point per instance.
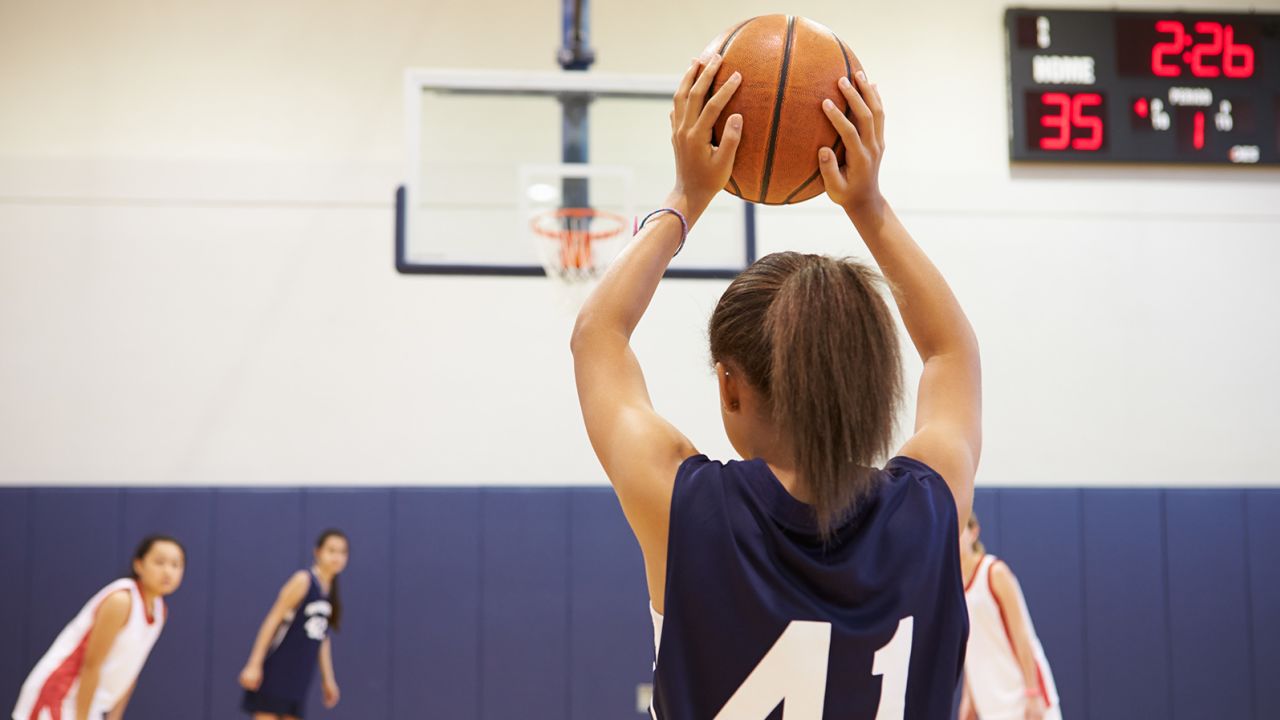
(684, 225)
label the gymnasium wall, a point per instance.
(196, 283)
(499, 603)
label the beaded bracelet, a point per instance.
(684, 225)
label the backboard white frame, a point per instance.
(509, 82)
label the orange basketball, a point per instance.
(789, 64)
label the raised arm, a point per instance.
(290, 596)
(948, 424)
(639, 450)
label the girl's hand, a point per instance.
(703, 169)
(1035, 708)
(856, 188)
(251, 677)
(331, 695)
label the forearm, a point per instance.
(624, 293)
(263, 640)
(932, 315)
(117, 712)
(88, 688)
(326, 664)
(1027, 663)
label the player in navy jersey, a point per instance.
(802, 582)
(295, 635)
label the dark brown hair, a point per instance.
(978, 547)
(145, 546)
(814, 337)
(335, 600)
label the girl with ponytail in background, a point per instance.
(295, 635)
(802, 578)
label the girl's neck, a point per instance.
(326, 579)
(148, 597)
(969, 563)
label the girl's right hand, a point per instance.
(856, 186)
(251, 677)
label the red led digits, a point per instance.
(1164, 49)
(1235, 60)
(1205, 50)
(1059, 121)
(1233, 54)
(1092, 123)
(1064, 113)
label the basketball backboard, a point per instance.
(485, 149)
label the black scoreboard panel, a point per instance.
(1143, 87)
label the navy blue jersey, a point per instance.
(288, 668)
(761, 615)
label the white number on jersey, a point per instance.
(794, 673)
(891, 663)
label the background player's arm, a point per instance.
(948, 426)
(968, 711)
(291, 595)
(327, 679)
(117, 712)
(639, 450)
(108, 621)
(1005, 587)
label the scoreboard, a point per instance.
(1143, 87)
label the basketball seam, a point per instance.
(777, 108)
(848, 73)
(835, 148)
(734, 184)
(711, 89)
(848, 66)
(734, 34)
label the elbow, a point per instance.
(585, 330)
(578, 338)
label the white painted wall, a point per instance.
(196, 282)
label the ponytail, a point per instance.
(335, 600)
(815, 337)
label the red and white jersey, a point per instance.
(50, 691)
(990, 666)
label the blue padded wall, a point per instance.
(524, 601)
(1126, 618)
(435, 603)
(15, 557)
(1209, 605)
(1263, 521)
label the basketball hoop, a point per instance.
(565, 236)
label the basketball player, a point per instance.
(1006, 674)
(801, 580)
(91, 669)
(294, 635)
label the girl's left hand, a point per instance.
(331, 695)
(703, 169)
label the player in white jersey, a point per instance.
(90, 671)
(1006, 674)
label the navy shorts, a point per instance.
(254, 702)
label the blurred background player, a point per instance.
(1007, 676)
(295, 635)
